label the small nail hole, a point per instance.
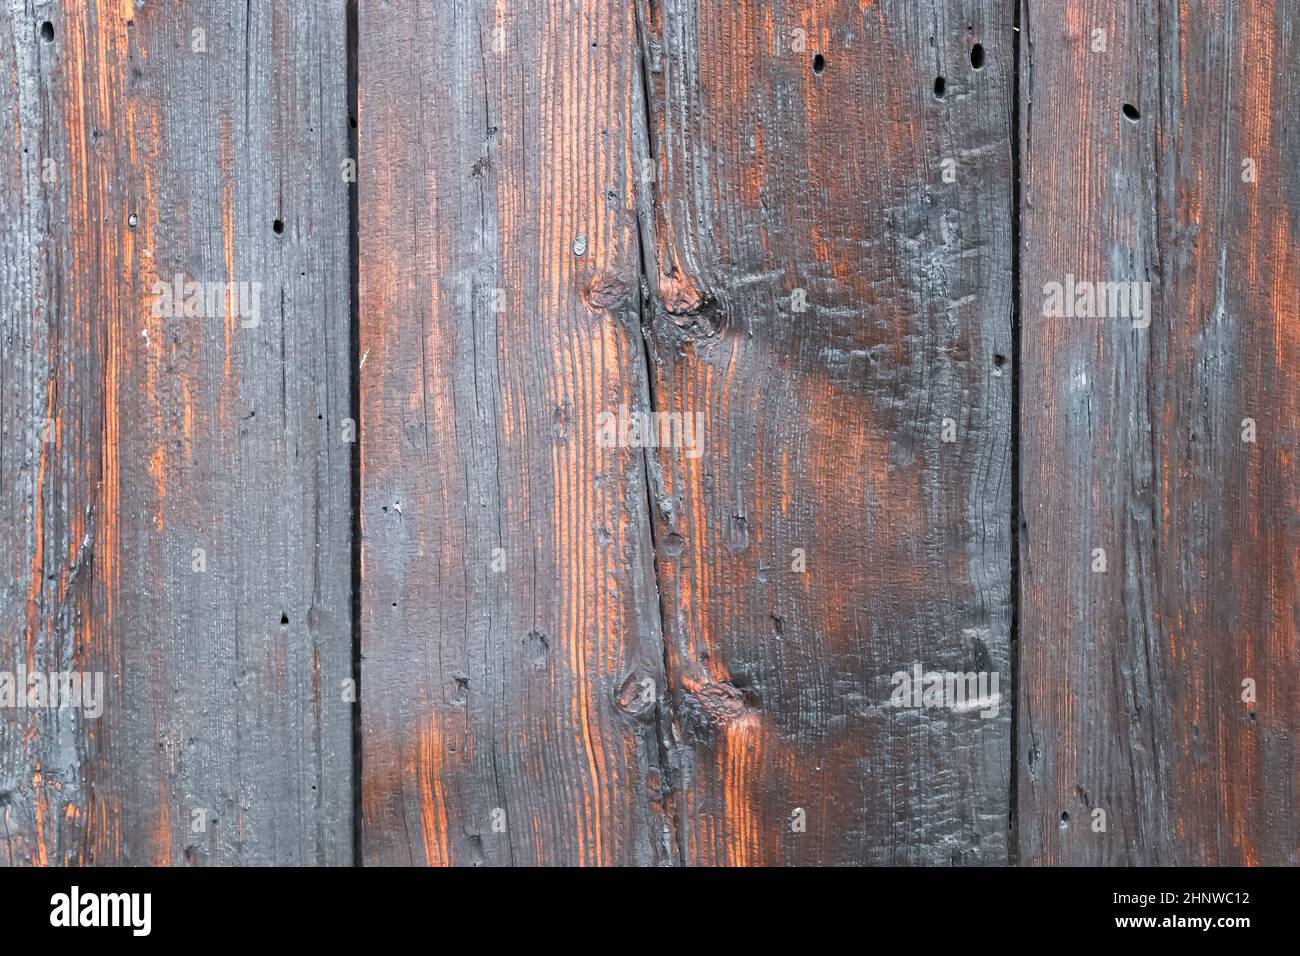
(819, 64)
(940, 87)
(1065, 819)
(977, 56)
(284, 618)
(47, 31)
(1131, 113)
(278, 226)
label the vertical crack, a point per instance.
(354, 381)
(664, 722)
(1013, 807)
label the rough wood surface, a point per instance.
(128, 439)
(817, 238)
(512, 656)
(1132, 438)
(800, 151)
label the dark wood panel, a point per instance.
(1132, 694)
(172, 140)
(790, 228)
(824, 298)
(512, 672)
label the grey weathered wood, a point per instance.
(512, 673)
(603, 655)
(781, 176)
(168, 434)
(1131, 698)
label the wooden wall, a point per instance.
(175, 487)
(1169, 441)
(819, 237)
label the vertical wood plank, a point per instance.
(176, 487)
(512, 657)
(823, 300)
(1133, 676)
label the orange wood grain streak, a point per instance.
(174, 434)
(509, 600)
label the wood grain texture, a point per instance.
(801, 231)
(1131, 696)
(509, 614)
(799, 149)
(172, 433)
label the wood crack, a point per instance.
(666, 699)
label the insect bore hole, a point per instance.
(278, 226)
(47, 31)
(1131, 113)
(977, 56)
(819, 64)
(940, 87)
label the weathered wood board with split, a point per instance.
(702, 432)
(176, 491)
(828, 246)
(737, 218)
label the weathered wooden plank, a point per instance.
(176, 488)
(509, 614)
(1133, 434)
(824, 299)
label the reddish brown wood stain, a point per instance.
(1131, 696)
(809, 226)
(491, 727)
(174, 433)
(823, 425)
